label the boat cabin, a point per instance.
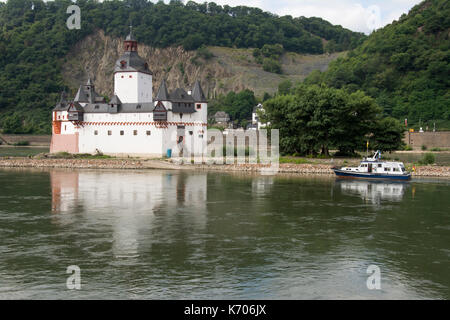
(380, 167)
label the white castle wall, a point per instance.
(133, 87)
(155, 144)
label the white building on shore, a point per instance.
(132, 122)
(256, 122)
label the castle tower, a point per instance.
(132, 77)
(201, 103)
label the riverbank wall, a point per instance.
(116, 163)
(428, 140)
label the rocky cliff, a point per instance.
(229, 69)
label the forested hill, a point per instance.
(405, 66)
(34, 41)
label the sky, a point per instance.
(356, 15)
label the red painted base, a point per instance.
(64, 143)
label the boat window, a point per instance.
(379, 165)
(387, 169)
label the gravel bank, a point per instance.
(324, 169)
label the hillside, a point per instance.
(405, 66)
(34, 44)
(228, 70)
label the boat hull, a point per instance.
(377, 176)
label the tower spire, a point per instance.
(130, 42)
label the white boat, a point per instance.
(374, 168)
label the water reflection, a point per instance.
(127, 203)
(374, 191)
(169, 234)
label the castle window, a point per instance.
(199, 106)
(121, 132)
(131, 76)
(138, 106)
(97, 106)
(200, 136)
(109, 132)
(122, 77)
(95, 133)
(191, 133)
(148, 133)
(135, 132)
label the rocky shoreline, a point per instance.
(118, 163)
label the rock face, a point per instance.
(229, 69)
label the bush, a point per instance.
(407, 148)
(204, 53)
(271, 65)
(22, 143)
(428, 158)
(424, 147)
(438, 149)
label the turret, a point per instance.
(132, 76)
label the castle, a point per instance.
(131, 123)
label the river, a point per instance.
(185, 235)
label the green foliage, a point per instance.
(269, 56)
(437, 149)
(284, 87)
(239, 106)
(271, 65)
(314, 119)
(33, 43)
(22, 143)
(293, 160)
(12, 124)
(404, 66)
(424, 147)
(428, 158)
(266, 96)
(204, 53)
(408, 148)
(388, 135)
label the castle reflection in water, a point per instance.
(127, 203)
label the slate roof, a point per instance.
(115, 100)
(88, 95)
(163, 94)
(122, 108)
(62, 104)
(197, 93)
(132, 62)
(76, 106)
(180, 95)
(130, 36)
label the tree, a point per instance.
(271, 65)
(313, 119)
(387, 135)
(284, 87)
(13, 124)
